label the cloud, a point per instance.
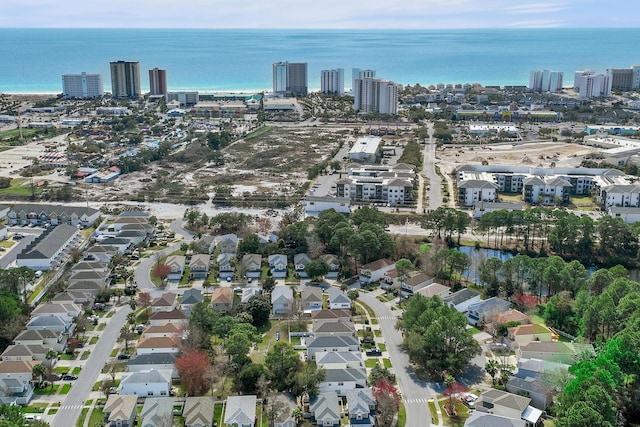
(536, 8)
(538, 23)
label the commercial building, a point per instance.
(590, 84)
(290, 78)
(157, 81)
(546, 80)
(365, 149)
(332, 81)
(125, 79)
(371, 95)
(82, 86)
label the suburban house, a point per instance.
(282, 300)
(484, 419)
(338, 299)
(241, 411)
(49, 250)
(227, 243)
(508, 405)
(226, 266)
(300, 261)
(61, 309)
(158, 345)
(333, 328)
(52, 339)
(146, 383)
(340, 380)
(124, 246)
(52, 322)
(341, 315)
(206, 244)
(165, 302)
(23, 214)
(16, 382)
(249, 292)
(120, 410)
(537, 367)
(331, 343)
(157, 411)
(361, 406)
(415, 281)
(157, 361)
(339, 359)
(76, 297)
(190, 297)
(325, 410)
(199, 266)
(553, 351)
(177, 264)
(311, 298)
(374, 271)
(540, 395)
(252, 264)
(283, 405)
(334, 265)
(25, 353)
(136, 237)
(435, 290)
(162, 317)
(481, 312)
(198, 412)
(524, 334)
(89, 276)
(222, 299)
(509, 316)
(278, 265)
(462, 299)
(166, 330)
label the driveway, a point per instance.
(429, 170)
(415, 392)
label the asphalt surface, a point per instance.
(429, 170)
(73, 403)
(415, 392)
(29, 236)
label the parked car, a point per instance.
(373, 352)
(123, 356)
(69, 377)
(98, 306)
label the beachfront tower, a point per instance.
(125, 79)
(332, 81)
(290, 78)
(82, 86)
(590, 84)
(546, 81)
(157, 81)
(371, 95)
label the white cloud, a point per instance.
(536, 8)
(537, 23)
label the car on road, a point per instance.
(2, 249)
(69, 377)
(18, 236)
(373, 352)
(123, 356)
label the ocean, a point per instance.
(33, 60)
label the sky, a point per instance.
(320, 14)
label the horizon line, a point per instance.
(321, 28)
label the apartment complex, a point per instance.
(157, 81)
(332, 81)
(125, 79)
(378, 183)
(185, 98)
(290, 78)
(371, 95)
(546, 80)
(590, 84)
(82, 86)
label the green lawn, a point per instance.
(434, 412)
(258, 132)
(377, 332)
(382, 347)
(217, 413)
(52, 411)
(85, 355)
(93, 340)
(97, 417)
(19, 187)
(65, 388)
(47, 390)
(402, 415)
(387, 363)
(510, 198)
(96, 386)
(371, 363)
(37, 408)
(463, 414)
(83, 415)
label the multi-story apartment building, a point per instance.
(157, 81)
(621, 78)
(332, 81)
(546, 80)
(371, 95)
(125, 79)
(290, 78)
(187, 98)
(375, 183)
(82, 86)
(590, 84)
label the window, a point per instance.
(149, 393)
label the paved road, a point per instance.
(30, 235)
(415, 392)
(429, 170)
(74, 401)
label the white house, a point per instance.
(341, 380)
(50, 249)
(472, 191)
(177, 263)
(157, 361)
(278, 265)
(158, 345)
(462, 299)
(241, 411)
(374, 271)
(313, 205)
(628, 214)
(281, 299)
(146, 383)
(338, 299)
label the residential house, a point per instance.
(628, 214)
(313, 205)
(190, 297)
(121, 222)
(340, 380)
(165, 302)
(283, 405)
(70, 310)
(226, 265)
(157, 411)
(508, 405)
(510, 316)
(162, 317)
(205, 244)
(156, 361)
(199, 266)
(249, 292)
(241, 411)
(24, 213)
(281, 300)
(300, 261)
(435, 290)
(177, 264)
(338, 315)
(92, 266)
(120, 410)
(166, 330)
(331, 343)
(339, 360)
(146, 383)
(338, 300)
(473, 191)
(541, 396)
(462, 299)
(483, 419)
(553, 351)
(158, 345)
(88, 276)
(90, 287)
(25, 353)
(311, 298)
(136, 237)
(278, 265)
(325, 410)
(76, 297)
(222, 299)
(52, 322)
(481, 312)
(49, 250)
(333, 328)
(334, 265)
(227, 243)
(537, 367)
(15, 382)
(102, 253)
(524, 334)
(198, 412)
(48, 338)
(414, 281)
(124, 246)
(362, 407)
(481, 208)
(252, 264)
(374, 271)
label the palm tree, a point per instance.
(492, 369)
(297, 414)
(38, 371)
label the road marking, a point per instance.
(63, 407)
(416, 400)
(387, 317)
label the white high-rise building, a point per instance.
(590, 84)
(290, 78)
(359, 73)
(82, 86)
(546, 80)
(280, 77)
(636, 77)
(371, 95)
(125, 79)
(332, 81)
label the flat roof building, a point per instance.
(125, 79)
(82, 86)
(157, 81)
(365, 148)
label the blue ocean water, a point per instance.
(33, 60)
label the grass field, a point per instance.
(19, 187)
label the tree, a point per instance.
(308, 379)
(106, 385)
(38, 371)
(492, 369)
(113, 367)
(192, 366)
(259, 307)
(316, 269)
(403, 267)
(353, 294)
(387, 401)
(161, 271)
(436, 337)
(282, 362)
(378, 372)
(12, 414)
(249, 376)
(268, 284)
